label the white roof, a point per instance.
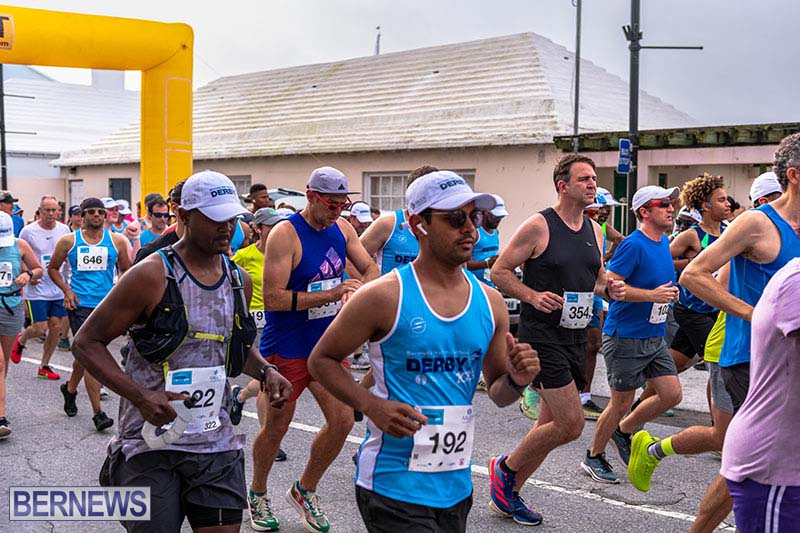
(63, 116)
(502, 91)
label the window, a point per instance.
(75, 192)
(242, 184)
(387, 190)
(120, 189)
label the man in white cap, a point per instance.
(303, 291)
(437, 328)
(360, 217)
(200, 476)
(633, 335)
(487, 247)
(559, 250)
(765, 189)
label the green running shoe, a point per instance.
(529, 403)
(261, 517)
(642, 465)
(306, 502)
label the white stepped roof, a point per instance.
(63, 116)
(502, 91)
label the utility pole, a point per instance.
(3, 168)
(378, 41)
(633, 34)
(575, 138)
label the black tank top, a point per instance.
(569, 263)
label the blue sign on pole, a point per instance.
(624, 164)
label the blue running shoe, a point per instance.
(524, 515)
(502, 488)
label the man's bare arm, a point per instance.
(378, 233)
(357, 254)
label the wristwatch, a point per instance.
(29, 273)
(262, 374)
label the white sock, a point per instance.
(585, 397)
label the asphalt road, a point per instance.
(49, 449)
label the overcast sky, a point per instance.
(747, 73)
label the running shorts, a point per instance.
(41, 310)
(561, 364)
(296, 371)
(763, 508)
(631, 362)
(387, 515)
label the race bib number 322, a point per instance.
(208, 386)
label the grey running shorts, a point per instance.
(631, 362)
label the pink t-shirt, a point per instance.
(761, 443)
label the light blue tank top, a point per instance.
(425, 360)
(113, 228)
(92, 268)
(487, 246)
(747, 281)
(10, 269)
(401, 248)
(687, 299)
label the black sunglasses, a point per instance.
(93, 211)
(457, 218)
(160, 215)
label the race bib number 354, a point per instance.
(577, 310)
(445, 442)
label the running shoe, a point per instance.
(481, 384)
(716, 454)
(41, 338)
(63, 345)
(5, 430)
(642, 464)
(46, 372)
(16, 350)
(280, 456)
(623, 444)
(236, 406)
(591, 411)
(599, 468)
(529, 403)
(505, 500)
(101, 421)
(360, 362)
(306, 503)
(103, 393)
(261, 517)
(70, 406)
(669, 413)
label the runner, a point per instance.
(633, 336)
(44, 299)
(93, 253)
(303, 291)
(360, 217)
(556, 292)
(201, 475)
(8, 205)
(251, 259)
(170, 235)
(487, 247)
(18, 267)
(757, 244)
(761, 463)
(259, 196)
(606, 202)
(74, 221)
(414, 467)
(158, 213)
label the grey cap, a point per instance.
(329, 180)
(267, 216)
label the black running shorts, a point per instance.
(387, 515)
(561, 364)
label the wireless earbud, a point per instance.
(421, 229)
(709, 205)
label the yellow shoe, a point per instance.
(641, 464)
(529, 403)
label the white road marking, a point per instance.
(483, 471)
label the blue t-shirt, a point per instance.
(19, 223)
(645, 264)
(147, 237)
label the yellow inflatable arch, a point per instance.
(163, 52)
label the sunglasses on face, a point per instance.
(332, 206)
(95, 212)
(665, 202)
(457, 218)
(160, 215)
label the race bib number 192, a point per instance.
(445, 442)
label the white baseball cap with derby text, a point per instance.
(213, 194)
(361, 211)
(444, 190)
